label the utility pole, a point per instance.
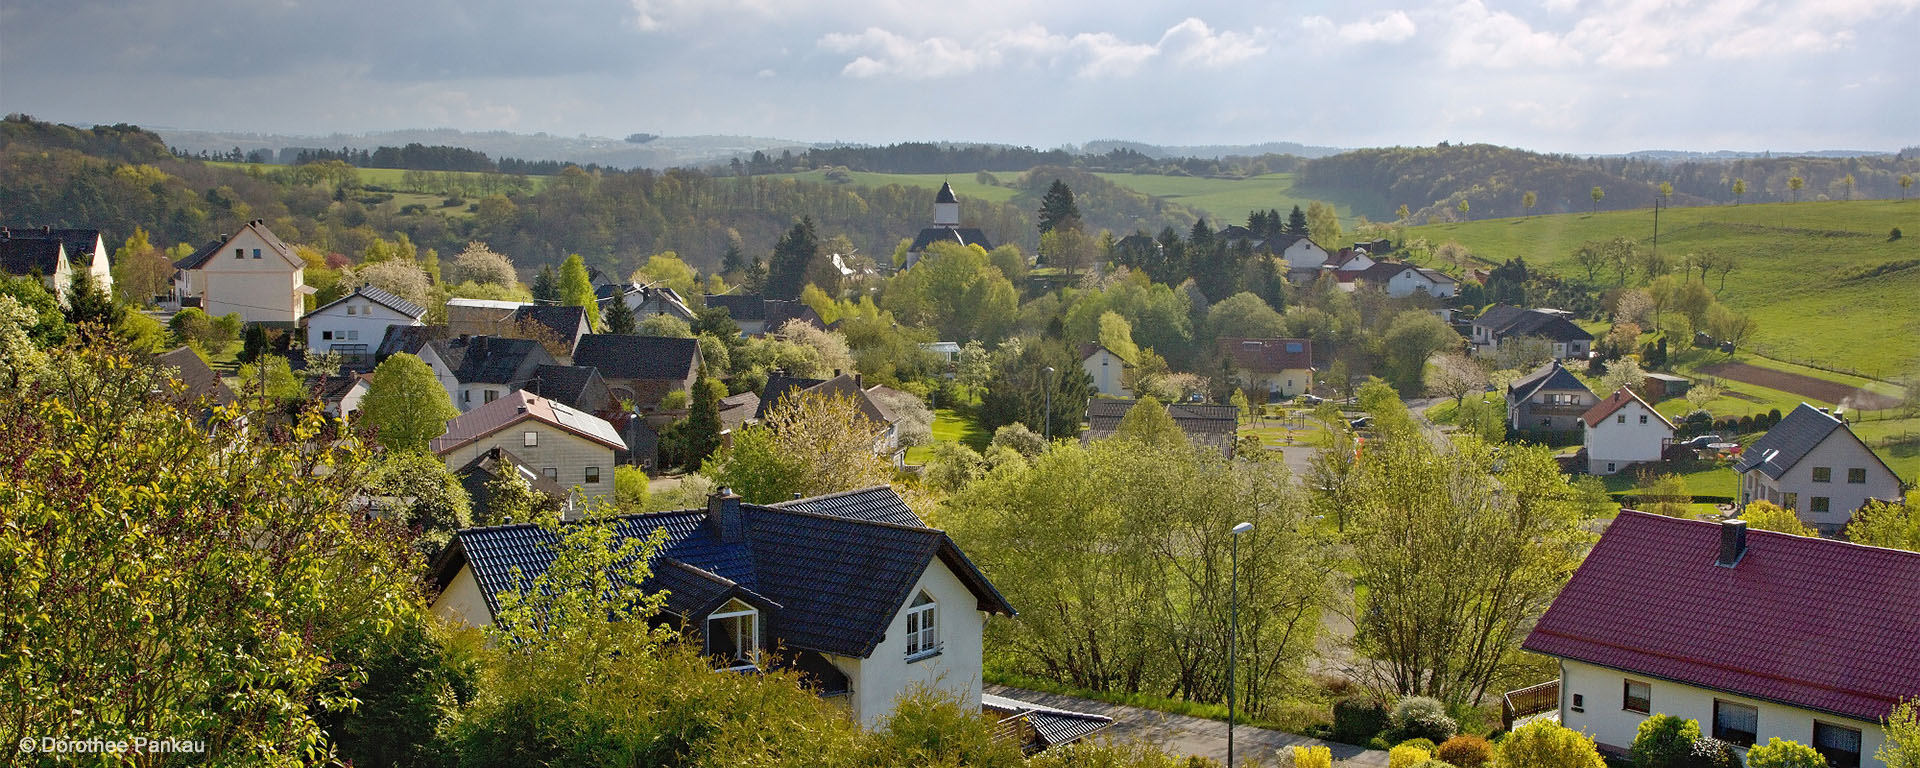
(1233, 632)
(1656, 226)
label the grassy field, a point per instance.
(390, 178)
(1225, 201)
(964, 184)
(950, 426)
(1790, 273)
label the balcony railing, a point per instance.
(1529, 701)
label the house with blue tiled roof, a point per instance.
(852, 589)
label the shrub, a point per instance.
(1784, 754)
(1421, 717)
(1380, 743)
(1746, 424)
(1434, 764)
(1664, 741)
(1357, 719)
(1709, 752)
(1312, 757)
(1893, 234)
(1424, 745)
(1543, 744)
(1406, 757)
(1465, 751)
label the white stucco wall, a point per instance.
(1603, 690)
(881, 678)
(1304, 254)
(266, 289)
(1106, 369)
(1840, 452)
(462, 602)
(1410, 282)
(366, 326)
(1643, 436)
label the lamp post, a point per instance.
(1047, 430)
(1233, 633)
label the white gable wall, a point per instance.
(1107, 370)
(1840, 452)
(880, 679)
(264, 289)
(332, 327)
(461, 602)
(1603, 692)
(1304, 254)
(568, 455)
(1634, 433)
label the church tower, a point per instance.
(946, 207)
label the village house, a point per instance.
(572, 448)
(250, 273)
(1300, 252)
(1623, 430)
(645, 300)
(641, 369)
(781, 389)
(53, 255)
(354, 324)
(1400, 280)
(198, 381)
(852, 590)
(1208, 426)
(477, 370)
(757, 315)
(340, 396)
(1813, 465)
(556, 327)
(1107, 369)
(1551, 399)
(1756, 635)
(1281, 368)
(578, 386)
(1502, 322)
(946, 228)
(495, 464)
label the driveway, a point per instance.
(1183, 735)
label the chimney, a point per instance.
(796, 495)
(1733, 542)
(723, 513)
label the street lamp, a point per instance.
(1233, 633)
(1047, 431)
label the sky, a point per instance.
(1581, 76)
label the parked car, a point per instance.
(1310, 399)
(1699, 441)
(1361, 423)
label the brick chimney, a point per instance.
(1733, 542)
(724, 514)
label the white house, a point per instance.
(251, 273)
(53, 255)
(354, 324)
(1400, 280)
(1814, 465)
(1756, 635)
(1623, 430)
(1502, 322)
(1107, 368)
(480, 369)
(852, 590)
(1299, 251)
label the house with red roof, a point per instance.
(572, 448)
(1754, 634)
(1281, 368)
(1623, 430)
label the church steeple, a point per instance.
(946, 207)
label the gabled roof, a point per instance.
(409, 339)
(498, 462)
(945, 195)
(1813, 623)
(380, 297)
(779, 313)
(740, 306)
(1092, 348)
(1383, 271)
(1504, 321)
(491, 359)
(1601, 410)
(780, 388)
(578, 386)
(640, 358)
(831, 581)
(959, 235)
(1791, 440)
(1550, 376)
(30, 256)
(1053, 727)
(200, 257)
(1104, 415)
(330, 389)
(876, 503)
(519, 406)
(735, 410)
(1435, 276)
(200, 380)
(566, 322)
(1498, 316)
(1268, 355)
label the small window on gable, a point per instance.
(239, 253)
(552, 473)
(256, 253)
(1857, 475)
(1823, 474)
(1643, 418)
(351, 310)
(1621, 419)
(530, 439)
(593, 475)
(923, 637)
(733, 636)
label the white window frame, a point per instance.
(752, 626)
(530, 439)
(923, 627)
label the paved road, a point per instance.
(1185, 735)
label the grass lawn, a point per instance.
(1791, 274)
(964, 184)
(1704, 478)
(390, 178)
(1227, 201)
(950, 426)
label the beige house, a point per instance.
(53, 255)
(1281, 368)
(1107, 369)
(1551, 399)
(852, 589)
(569, 447)
(250, 273)
(1813, 465)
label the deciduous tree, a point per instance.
(576, 289)
(405, 404)
(808, 445)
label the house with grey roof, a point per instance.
(1208, 426)
(1551, 399)
(1502, 322)
(642, 369)
(578, 386)
(495, 464)
(251, 273)
(852, 589)
(53, 255)
(355, 324)
(570, 447)
(781, 389)
(1812, 464)
(477, 370)
(758, 315)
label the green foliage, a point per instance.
(405, 404)
(419, 676)
(617, 317)
(930, 726)
(423, 496)
(510, 499)
(1777, 753)
(955, 292)
(546, 285)
(1545, 744)
(1357, 719)
(952, 467)
(1019, 438)
(1465, 751)
(1019, 391)
(49, 329)
(1245, 316)
(792, 256)
(807, 445)
(576, 289)
(1407, 757)
(1901, 749)
(1411, 338)
(630, 488)
(269, 377)
(1312, 757)
(1886, 524)
(1057, 208)
(1709, 752)
(1767, 516)
(1147, 423)
(1422, 718)
(88, 304)
(1664, 741)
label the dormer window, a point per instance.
(923, 636)
(733, 636)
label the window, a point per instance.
(1621, 419)
(1790, 502)
(1579, 703)
(1823, 474)
(1638, 697)
(1610, 467)
(593, 475)
(466, 395)
(922, 637)
(1736, 724)
(1839, 745)
(256, 253)
(489, 396)
(239, 253)
(326, 335)
(1857, 475)
(1643, 418)
(353, 335)
(733, 635)
(351, 310)
(552, 473)
(530, 439)
(1818, 504)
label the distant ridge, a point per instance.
(658, 152)
(1209, 151)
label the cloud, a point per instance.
(1393, 27)
(1478, 37)
(1091, 55)
(659, 15)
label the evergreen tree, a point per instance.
(732, 261)
(1297, 222)
(546, 285)
(787, 273)
(88, 305)
(756, 278)
(1057, 208)
(701, 431)
(255, 343)
(576, 289)
(1275, 224)
(618, 318)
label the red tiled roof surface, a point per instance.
(1601, 410)
(521, 405)
(1812, 623)
(1268, 355)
